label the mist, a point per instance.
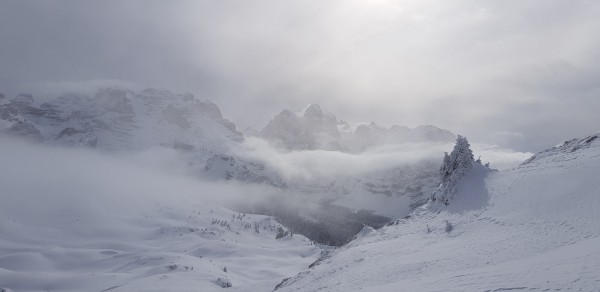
(101, 195)
(43, 180)
(83, 220)
(316, 165)
(493, 71)
(296, 145)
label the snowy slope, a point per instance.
(535, 227)
(75, 220)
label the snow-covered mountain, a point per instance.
(534, 227)
(372, 135)
(121, 119)
(314, 128)
(309, 129)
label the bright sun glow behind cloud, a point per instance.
(473, 67)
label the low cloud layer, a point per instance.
(71, 180)
(498, 157)
(314, 165)
(523, 71)
(321, 164)
(136, 184)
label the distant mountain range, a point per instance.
(314, 128)
(121, 119)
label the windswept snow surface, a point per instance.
(75, 220)
(531, 228)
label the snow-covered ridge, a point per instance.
(570, 146)
(534, 227)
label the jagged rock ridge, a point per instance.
(313, 128)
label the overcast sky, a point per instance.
(523, 74)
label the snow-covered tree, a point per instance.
(454, 166)
(460, 160)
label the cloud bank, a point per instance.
(70, 180)
(314, 165)
(474, 67)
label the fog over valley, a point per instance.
(361, 145)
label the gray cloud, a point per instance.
(474, 67)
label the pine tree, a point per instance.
(454, 166)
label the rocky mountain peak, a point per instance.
(314, 128)
(313, 111)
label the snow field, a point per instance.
(72, 220)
